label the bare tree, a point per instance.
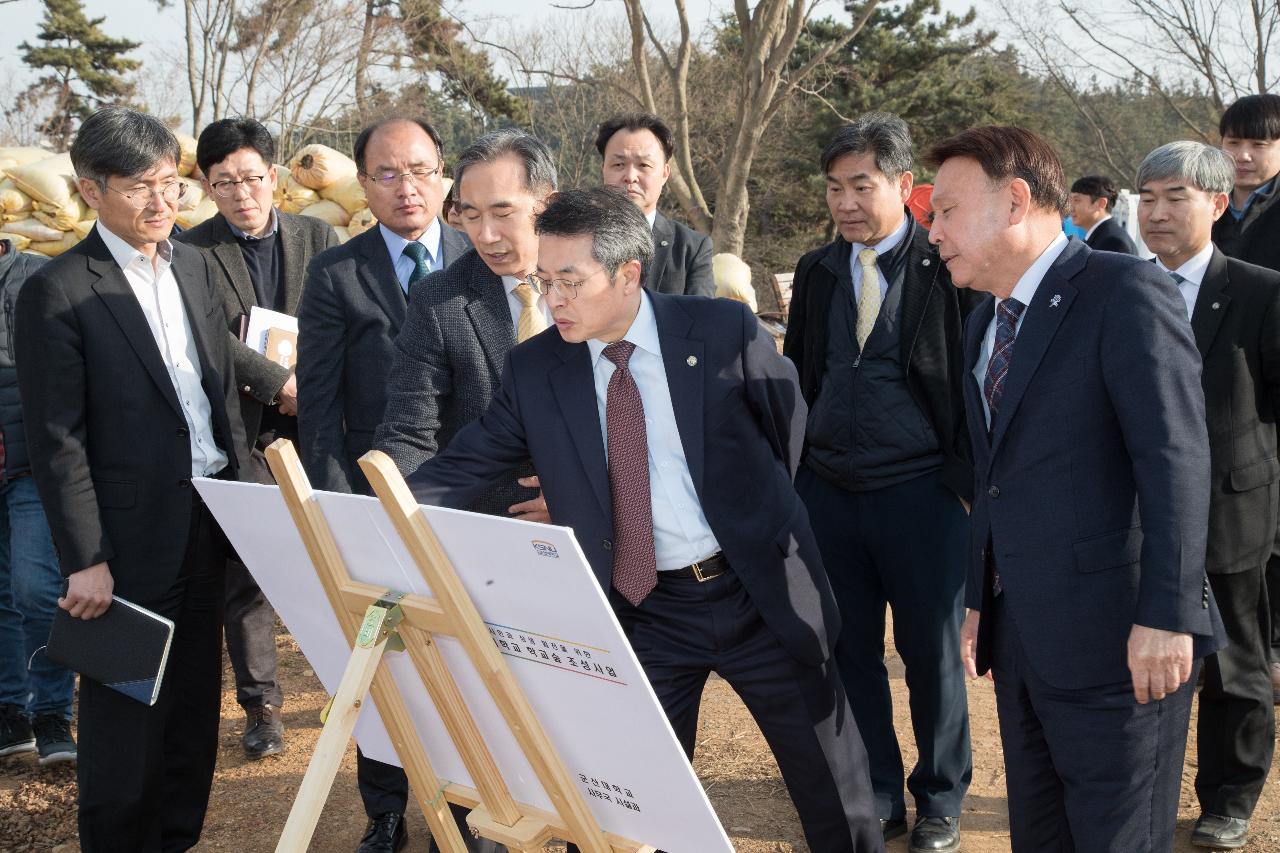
(208, 27)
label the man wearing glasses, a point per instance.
(129, 392)
(258, 255)
(353, 306)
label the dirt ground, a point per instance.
(251, 799)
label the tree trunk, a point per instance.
(362, 59)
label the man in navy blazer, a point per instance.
(665, 431)
(1087, 593)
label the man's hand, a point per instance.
(531, 510)
(1160, 662)
(88, 592)
(969, 643)
(288, 396)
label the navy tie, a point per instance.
(1007, 315)
(421, 266)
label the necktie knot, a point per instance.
(416, 250)
(421, 267)
(1177, 279)
(526, 294)
(868, 257)
(619, 352)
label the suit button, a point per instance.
(182, 432)
(608, 546)
(994, 491)
(184, 484)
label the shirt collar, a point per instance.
(1240, 212)
(431, 238)
(643, 332)
(652, 216)
(510, 282)
(127, 256)
(1094, 227)
(1195, 267)
(275, 227)
(1025, 290)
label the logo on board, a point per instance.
(543, 548)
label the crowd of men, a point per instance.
(1055, 461)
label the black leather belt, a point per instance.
(703, 570)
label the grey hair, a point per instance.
(882, 134)
(117, 141)
(539, 165)
(1202, 166)
(619, 230)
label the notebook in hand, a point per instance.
(125, 648)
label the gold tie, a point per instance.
(869, 299)
(532, 320)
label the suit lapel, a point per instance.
(489, 315)
(663, 234)
(229, 256)
(975, 330)
(292, 249)
(187, 273)
(1211, 302)
(574, 386)
(682, 356)
(379, 276)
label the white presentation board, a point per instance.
(547, 615)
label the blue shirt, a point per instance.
(1239, 213)
(432, 238)
(681, 534)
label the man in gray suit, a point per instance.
(258, 255)
(352, 309)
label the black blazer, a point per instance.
(681, 260)
(352, 309)
(1101, 404)
(933, 311)
(107, 438)
(1236, 322)
(1253, 240)
(1110, 237)
(741, 421)
(301, 239)
(448, 365)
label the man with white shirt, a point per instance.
(875, 334)
(128, 392)
(665, 431)
(353, 305)
(1089, 605)
(1093, 197)
(1234, 308)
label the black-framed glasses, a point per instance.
(390, 180)
(564, 287)
(139, 198)
(226, 189)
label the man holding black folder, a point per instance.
(127, 381)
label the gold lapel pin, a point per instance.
(692, 361)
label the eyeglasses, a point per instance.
(141, 197)
(391, 180)
(226, 189)
(565, 288)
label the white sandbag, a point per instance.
(191, 218)
(319, 166)
(50, 181)
(21, 155)
(361, 221)
(188, 162)
(12, 199)
(329, 211)
(343, 234)
(193, 196)
(34, 230)
(54, 248)
(62, 217)
(347, 193)
(19, 242)
(291, 196)
(83, 227)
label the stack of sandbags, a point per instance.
(331, 176)
(319, 167)
(39, 201)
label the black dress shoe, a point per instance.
(1220, 833)
(263, 732)
(892, 827)
(385, 834)
(935, 835)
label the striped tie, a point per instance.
(1002, 353)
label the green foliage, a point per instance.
(85, 67)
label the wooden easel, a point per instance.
(377, 620)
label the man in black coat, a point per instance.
(637, 149)
(1093, 197)
(259, 255)
(875, 333)
(1234, 310)
(129, 392)
(353, 306)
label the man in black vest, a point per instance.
(1093, 197)
(875, 332)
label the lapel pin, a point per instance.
(692, 361)
(665, 243)
(925, 262)
(1056, 300)
(1215, 305)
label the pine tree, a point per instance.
(85, 66)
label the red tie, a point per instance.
(635, 567)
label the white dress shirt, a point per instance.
(1193, 272)
(681, 534)
(1094, 227)
(652, 216)
(157, 293)
(516, 307)
(884, 246)
(1024, 291)
(432, 238)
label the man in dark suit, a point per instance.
(1089, 605)
(1234, 310)
(637, 149)
(129, 391)
(353, 306)
(259, 255)
(875, 334)
(648, 417)
(1250, 130)
(1093, 197)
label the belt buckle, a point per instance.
(697, 572)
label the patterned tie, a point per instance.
(532, 319)
(421, 266)
(869, 298)
(635, 565)
(1001, 354)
